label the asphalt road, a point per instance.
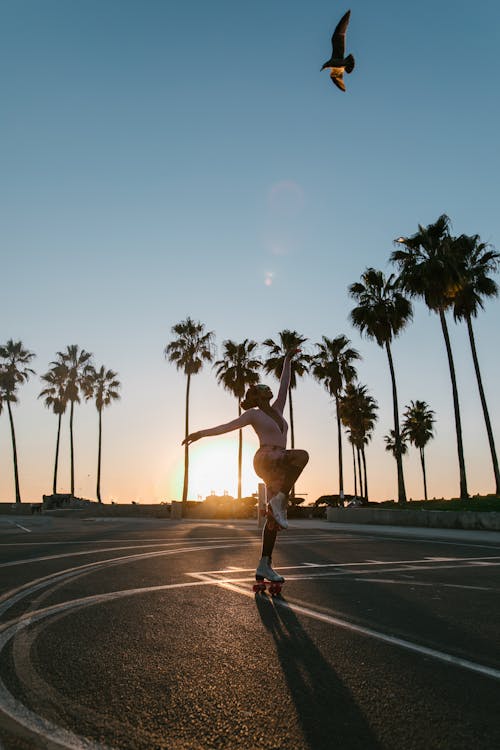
(146, 634)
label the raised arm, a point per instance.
(286, 372)
(235, 424)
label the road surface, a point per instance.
(141, 634)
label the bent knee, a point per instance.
(300, 457)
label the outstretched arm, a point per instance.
(286, 372)
(235, 424)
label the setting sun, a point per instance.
(213, 468)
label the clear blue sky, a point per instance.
(165, 159)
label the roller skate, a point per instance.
(266, 577)
(277, 509)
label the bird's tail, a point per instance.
(349, 64)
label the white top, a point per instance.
(266, 428)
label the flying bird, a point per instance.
(337, 62)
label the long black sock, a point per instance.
(268, 539)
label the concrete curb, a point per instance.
(435, 519)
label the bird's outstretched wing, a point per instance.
(338, 38)
(338, 80)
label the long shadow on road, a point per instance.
(326, 709)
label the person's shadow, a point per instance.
(326, 709)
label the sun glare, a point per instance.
(213, 468)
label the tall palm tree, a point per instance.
(476, 261)
(332, 366)
(54, 396)
(14, 372)
(235, 371)
(428, 268)
(381, 314)
(76, 361)
(288, 340)
(358, 412)
(188, 352)
(418, 427)
(368, 408)
(102, 386)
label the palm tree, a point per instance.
(188, 352)
(368, 418)
(476, 260)
(54, 395)
(332, 366)
(358, 412)
(418, 427)
(288, 340)
(391, 443)
(382, 313)
(429, 269)
(236, 371)
(102, 385)
(14, 371)
(76, 362)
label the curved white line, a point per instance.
(15, 595)
(52, 734)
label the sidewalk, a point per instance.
(421, 532)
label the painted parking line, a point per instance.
(21, 527)
(378, 635)
(384, 566)
(432, 584)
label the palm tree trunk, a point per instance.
(482, 396)
(240, 454)
(422, 461)
(71, 448)
(399, 460)
(363, 456)
(56, 463)
(98, 489)
(458, 423)
(292, 431)
(14, 452)
(339, 441)
(355, 475)
(186, 452)
(361, 490)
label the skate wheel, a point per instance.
(259, 587)
(275, 589)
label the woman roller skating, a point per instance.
(277, 466)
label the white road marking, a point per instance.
(403, 565)
(56, 735)
(52, 734)
(21, 527)
(433, 584)
(376, 634)
(15, 595)
(144, 544)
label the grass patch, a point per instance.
(486, 503)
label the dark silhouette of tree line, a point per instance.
(71, 377)
(447, 272)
